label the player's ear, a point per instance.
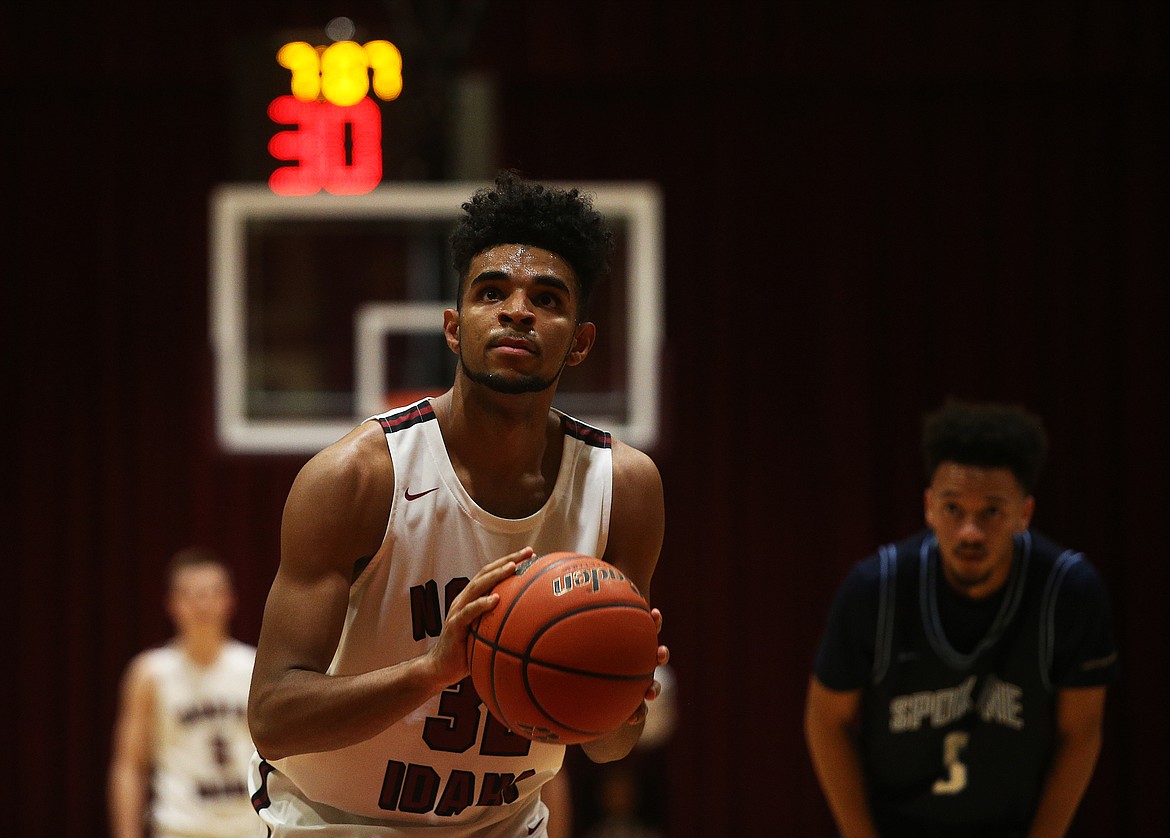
(582, 343)
(451, 329)
(1026, 514)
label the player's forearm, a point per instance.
(615, 745)
(307, 712)
(1065, 784)
(838, 769)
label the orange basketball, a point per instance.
(568, 652)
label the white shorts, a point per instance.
(288, 814)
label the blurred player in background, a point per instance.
(181, 745)
(959, 689)
(362, 707)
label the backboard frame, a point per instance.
(234, 206)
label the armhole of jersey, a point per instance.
(884, 637)
(606, 510)
(1064, 563)
(590, 443)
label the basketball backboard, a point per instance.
(326, 309)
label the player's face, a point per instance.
(975, 514)
(201, 597)
(517, 328)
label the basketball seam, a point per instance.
(604, 676)
(503, 621)
(525, 658)
(582, 609)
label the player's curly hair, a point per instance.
(516, 210)
(986, 435)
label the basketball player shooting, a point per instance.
(362, 708)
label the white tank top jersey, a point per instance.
(202, 744)
(448, 765)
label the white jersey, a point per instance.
(201, 743)
(448, 766)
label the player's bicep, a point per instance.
(302, 622)
(845, 656)
(132, 729)
(835, 708)
(1085, 649)
(334, 518)
(1080, 711)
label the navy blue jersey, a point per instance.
(958, 701)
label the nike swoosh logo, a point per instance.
(409, 496)
(532, 829)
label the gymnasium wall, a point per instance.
(868, 208)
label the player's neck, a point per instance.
(507, 464)
(202, 646)
(980, 590)
(505, 433)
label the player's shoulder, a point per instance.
(867, 577)
(363, 447)
(864, 577)
(891, 557)
(142, 678)
(1044, 546)
(338, 505)
(1077, 572)
(633, 468)
(357, 461)
(633, 461)
(153, 664)
(637, 484)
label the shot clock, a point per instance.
(333, 138)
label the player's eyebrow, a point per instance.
(546, 280)
(952, 493)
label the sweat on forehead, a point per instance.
(518, 211)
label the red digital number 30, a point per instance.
(330, 147)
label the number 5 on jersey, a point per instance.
(956, 777)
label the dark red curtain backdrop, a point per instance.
(868, 207)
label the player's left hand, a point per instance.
(655, 688)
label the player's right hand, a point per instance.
(449, 655)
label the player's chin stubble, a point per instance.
(510, 386)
